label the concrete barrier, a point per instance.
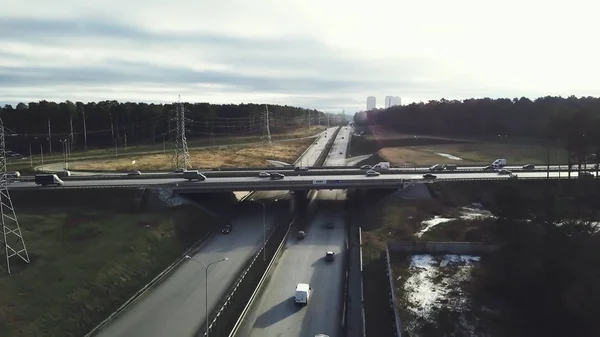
(434, 247)
(362, 287)
(392, 294)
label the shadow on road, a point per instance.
(277, 313)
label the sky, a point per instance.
(327, 55)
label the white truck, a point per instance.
(302, 293)
(383, 165)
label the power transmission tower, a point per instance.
(181, 158)
(267, 126)
(12, 238)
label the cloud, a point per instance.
(305, 53)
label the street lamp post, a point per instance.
(206, 266)
(264, 227)
(64, 145)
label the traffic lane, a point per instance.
(337, 155)
(176, 307)
(275, 313)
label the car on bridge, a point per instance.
(429, 176)
(504, 172)
(450, 167)
(371, 173)
(301, 168)
(276, 176)
(528, 167)
(134, 173)
(13, 174)
(365, 167)
(437, 167)
(264, 174)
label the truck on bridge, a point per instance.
(193, 175)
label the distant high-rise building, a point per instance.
(388, 101)
(391, 101)
(371, 103)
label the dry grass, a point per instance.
(471, 153)
(225, 156)
(84, 264)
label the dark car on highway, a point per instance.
(226, 229)
(329, 256)
(429, 176)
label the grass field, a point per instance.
(226, 156)
(401, 149)
(26, 165)
(84, 264)
(472, 153)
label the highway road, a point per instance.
(302, 261)
(337, 155)
(314, 151)
(176, 306)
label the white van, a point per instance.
(499, 163)
(302, 293)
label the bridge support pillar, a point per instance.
(298, 200)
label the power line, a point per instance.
(181, 157)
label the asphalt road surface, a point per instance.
(337, 155)
(176, 307)
(274, 313)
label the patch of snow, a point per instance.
(277, 163)
(449, 156)
(422, 292)
(469, 213)
(239, 195)
(436, 220)
(450, 259)
(427, 289)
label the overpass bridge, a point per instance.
(306, 181)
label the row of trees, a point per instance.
(104, 123)
(571, 123)
(546, 271)
(519, 117)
